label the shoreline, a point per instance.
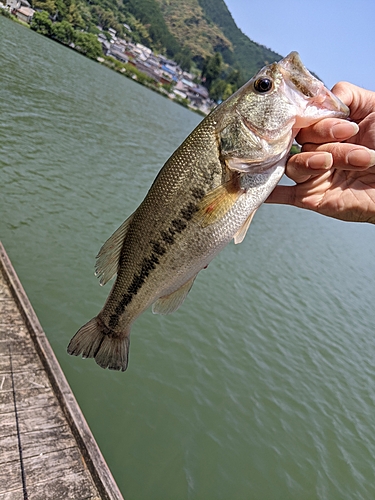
(112, 64)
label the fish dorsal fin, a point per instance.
(215, 205)
(170, 303)
(107, 260)
(241, 233)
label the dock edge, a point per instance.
(92, 455)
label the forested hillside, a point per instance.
(205, 27)
(246, 54)
(188, 31)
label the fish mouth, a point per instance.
(313, 97)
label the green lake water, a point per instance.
(262, 385)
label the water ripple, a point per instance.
(262, 385)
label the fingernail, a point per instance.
(361, 157)
(320, 160)
(344, 130)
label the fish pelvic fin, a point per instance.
(219, 201)
(108, 258)
(241, 233)
(108, 349)
(170, 303)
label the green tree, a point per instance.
(220, 90)
(184, 59)
(88, 45)
(212, 68)
(235, 79)
(105, 18)
(149, 14)
(63, 32)
(74, 17)
(41, 23)
(86, 16)
(47, 5)
(62, 9)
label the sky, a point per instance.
(335, 38)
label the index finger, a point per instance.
(327, 130)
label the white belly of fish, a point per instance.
(198, 248)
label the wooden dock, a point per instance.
(47, 450)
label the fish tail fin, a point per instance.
(93, 341)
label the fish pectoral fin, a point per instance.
(170, 303)
(218, 202)
(254, 165)
(240, 165)
(107, 260)
(241, 233)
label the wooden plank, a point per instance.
(29, 420)
(37, 443)
(42, 468)
(46, 468)
(5, 293)
(10, 476)
(12, 495)
(11, 320)
(73, 485)
(60, 456)
(68, 486)
(30, 400)
(22, 344)
(35, 379)
(25, 361)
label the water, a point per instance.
(262, 386)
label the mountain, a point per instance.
(247, 54)
(186, 30)
(189, 31)
(206, 27)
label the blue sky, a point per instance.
(335, 38)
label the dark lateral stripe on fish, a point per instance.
(188, 212)
(167, 237)
(198, 193)
(179, 225)
(150, 263)
(158, 248)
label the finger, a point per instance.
(283, 195)
(360, 101)
(346, 92)
(303, 166)
(345, 155)
(328, 130)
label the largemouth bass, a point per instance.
(205, 195)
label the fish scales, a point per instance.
(160, 233)
(156, 231)
(205, 195)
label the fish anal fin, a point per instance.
(93, 341)
(107, 260)
(170, 303)
(241, 233)
(217, 203)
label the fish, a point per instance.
(204, 196)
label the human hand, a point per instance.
(335, 171)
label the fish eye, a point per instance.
(263, 85)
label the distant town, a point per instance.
(160, 69)
(167, 75)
